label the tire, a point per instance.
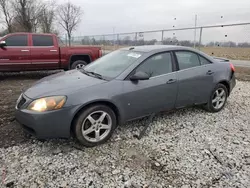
(93, 114)
(78, 64)
(215, 99)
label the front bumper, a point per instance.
(51, 124)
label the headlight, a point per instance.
(47, 103)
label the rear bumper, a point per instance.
(232, 82)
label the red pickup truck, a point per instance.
(27, 51)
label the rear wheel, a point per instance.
(95, 125)
(79, 64)
(217, 99)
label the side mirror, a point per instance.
(139, 76)
(2, 44)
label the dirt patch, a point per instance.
(11, 86)
(242, 73)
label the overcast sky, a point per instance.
(101, 16)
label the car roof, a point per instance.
(149, 48)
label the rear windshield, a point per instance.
(114, 63)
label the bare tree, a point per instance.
(6, 8)
(69, 17)
(47, 18)
(28, 13)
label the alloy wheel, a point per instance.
(219, 98)
(96, 126)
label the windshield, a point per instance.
(113, 64)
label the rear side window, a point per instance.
(17, 40)
(204, 61)
(187, 59)
(42, 40)
(157, 65)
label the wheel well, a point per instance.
(85, 58)
(225, 83)
(109, 104)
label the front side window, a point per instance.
(204, 61)
(114, 63)
(187, 59)
(157, 65)
(17, 40)
(42, 40)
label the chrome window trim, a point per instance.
(161, 75)
(177, 71)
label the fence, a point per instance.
(227, 40)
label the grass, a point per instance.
(226, 52)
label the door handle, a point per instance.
(53, 50)
(210, 72)
(24, 50)
(170, 81)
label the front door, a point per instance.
(195, 79)
(154, 95)
(44, 52)
(15, 56)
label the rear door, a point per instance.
(16, 54)
(44, 52)
(195, 78)
(156, 94)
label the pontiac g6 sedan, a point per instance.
(124, 85)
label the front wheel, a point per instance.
(217, 99)
(95, 125)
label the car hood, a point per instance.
(61, 83)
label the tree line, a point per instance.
(39, 16)
(129, 41)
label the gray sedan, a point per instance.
(124, 85)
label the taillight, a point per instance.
(232, 67)
(100, 53)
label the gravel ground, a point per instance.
(185, 148)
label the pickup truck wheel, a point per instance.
(79, 64)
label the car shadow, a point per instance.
(135, 127)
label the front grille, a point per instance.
(21, 102)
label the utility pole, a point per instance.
(114, 37)
(162, 36)
(103, 44)
(195, 25)
(200, 38)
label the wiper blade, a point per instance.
(94, 74)
(82, 70)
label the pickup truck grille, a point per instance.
(21, 102)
